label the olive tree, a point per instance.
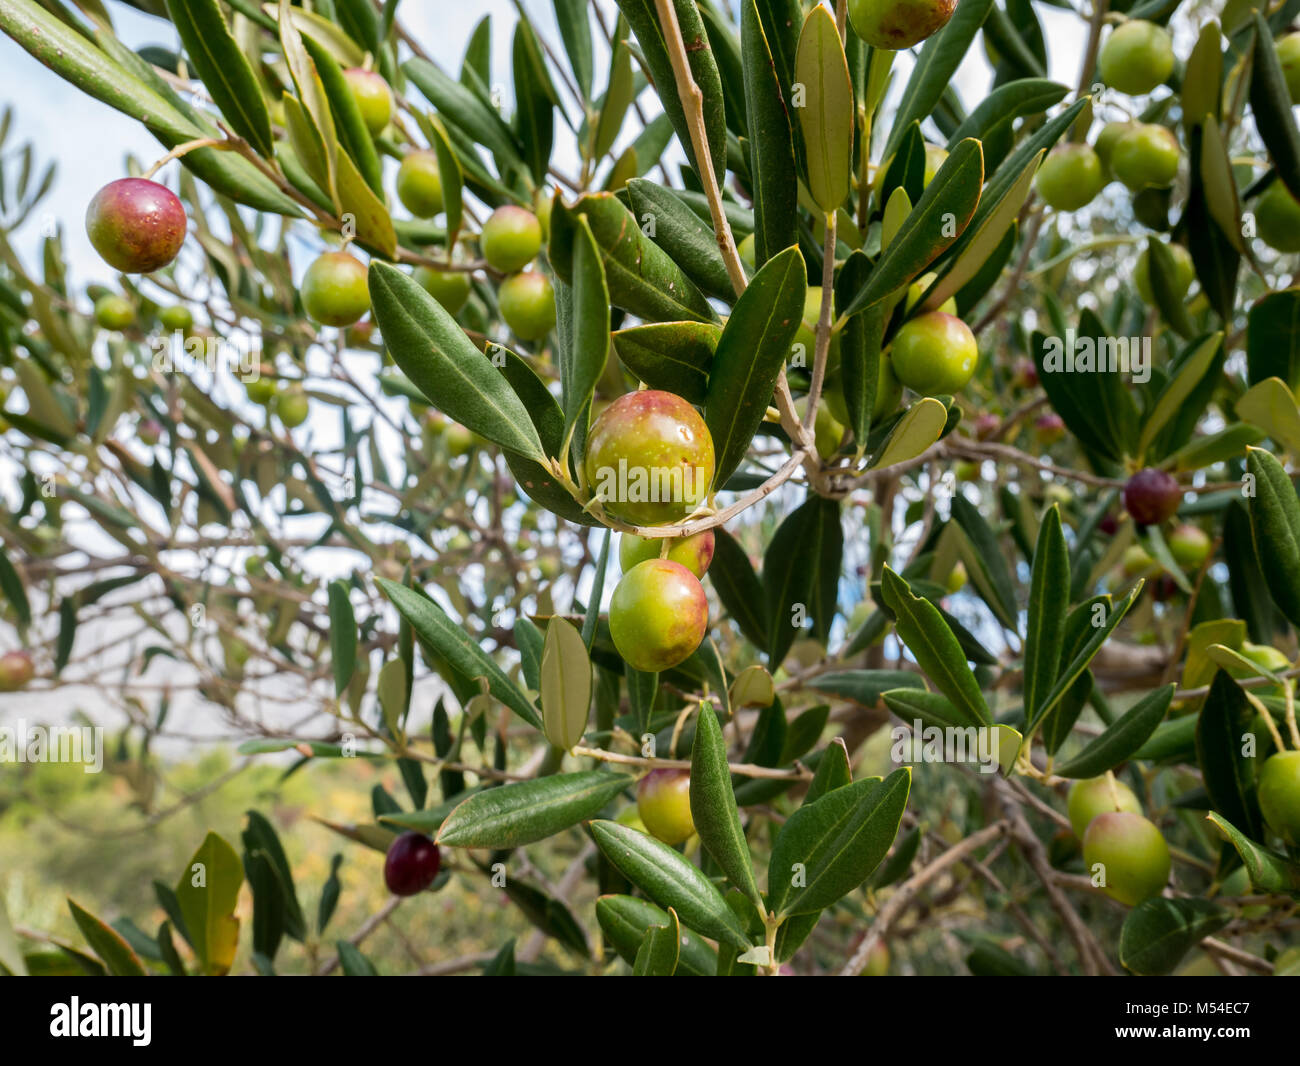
(787, 505)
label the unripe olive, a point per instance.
(956, 579)
(373, 97)
(261, 390)
(934, 354)
(1279, 795)
(1070, 177)
(898, 24)
(694, 552)
(1098, 795)
(663, 802)
(650, 458)
(527, 304)
(1136, 57)
(1288, 54)
(335, 291)
(658, 615)
(411, 864)
(114, 312)
(1129, 853)
(1277, 218)
(1146, 156)
(511, 238)
(292, 407)
(136, 225)
(176, 317)
(1105, 143)
(1189, 545)
(450, 288)
(1137, 562)
(419, 184)
(149, 431)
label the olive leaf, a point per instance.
(671, 881)
(713, 806)
(826, 111)
(442, 362)
(524, 812)
(565, 684)
(827, 848)
(1275, 528)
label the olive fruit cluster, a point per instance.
(1121, 848)
(650, 461)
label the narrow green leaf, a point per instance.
(343, 636)
(713, 806)
(934, 69)
(921, 425)
(932, 643)
(524, 812)
(1275, 529)
(1270, 104)
(434, 352)
(575, 32)
(674, 356)
(751, 351)
(642, 277)
(12, 587)
(1122, 739)
(827, 848)
(833, 771)
(1080, 662)
(625, 920)
(436, 629)
(680, 232)
(827, 113)
(659, 950)
(643, 17)
(733, 579)
(107, 943)
(671, 881)
(224, 69)
(260, 837)
(1228, 774)
(934, 225)
(771, 141)
(1179, 386)
(1049, 592)
(588, 350)
(986, 562)
(462, 108)
(1268, 871)
(566, 684)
